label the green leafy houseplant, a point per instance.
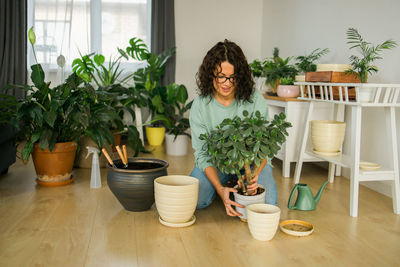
(147, 80)
(277, 68)
(257, 67)
(307, 63)
(8, 108)
(287, 81)
(175, 108)
(369, 53)
(244, 143)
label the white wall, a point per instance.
(299, 26)
(200, 24)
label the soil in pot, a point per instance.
(134, 186)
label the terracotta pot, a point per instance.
(134, 186)
(55, 166)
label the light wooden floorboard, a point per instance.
(78, 226)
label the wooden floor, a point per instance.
(78, 226)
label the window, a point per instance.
(70, 27)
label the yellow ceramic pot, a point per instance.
(155, 135)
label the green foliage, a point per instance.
(147, 80)
(8, 108)
(174, 110)
(369, 53)
(257, 67)
(244, 141)
(307, 63)
(287, 81)
(277, 68)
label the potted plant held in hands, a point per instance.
(243, 143)
(364, 65)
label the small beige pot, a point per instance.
(176, 197)
(327, 135)
(263, 220)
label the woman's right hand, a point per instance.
(225, 191)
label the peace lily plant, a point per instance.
(244, 142)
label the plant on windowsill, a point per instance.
(277, 68)
(244, 142)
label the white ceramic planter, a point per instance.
(365, 94)
(177, 147)
(260, 84)
(327, 135)
(176, 197)
(247, 200)
(263, 220)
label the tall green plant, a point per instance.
(307, 63)
(244, 142)
(369, 53)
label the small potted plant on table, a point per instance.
(306, 63)
(243, 143)
(364, 65)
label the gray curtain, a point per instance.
(163, 34)
(13, 41)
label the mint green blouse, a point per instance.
(206, 114)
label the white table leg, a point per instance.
(304, 138)
(392, 135)
(339, 117)
(331, 173)
(355, 154)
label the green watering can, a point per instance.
(305, 199)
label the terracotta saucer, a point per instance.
(51, 184)
(188, 223)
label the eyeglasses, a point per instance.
(222, 79)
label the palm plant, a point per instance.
(369, 53)
(307, 63)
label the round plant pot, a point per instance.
(327, 135)
(178, 146)
(247, 200)
(288, 91)
(155, 135)
(263, 220)
(176, 197)
(134, 186)
(55, 167)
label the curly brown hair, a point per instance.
(231, 52)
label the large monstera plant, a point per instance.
(244, 142)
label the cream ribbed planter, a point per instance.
(327, 135)
(247, 200)
(176, 197)
(263, 220)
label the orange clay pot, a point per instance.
(55, 167)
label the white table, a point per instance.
(295, 111)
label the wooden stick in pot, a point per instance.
(108, 157)
(125, 153)
(122, 157)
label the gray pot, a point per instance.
(134, 186)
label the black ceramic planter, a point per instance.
(134, 186)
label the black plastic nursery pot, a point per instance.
(134, 186)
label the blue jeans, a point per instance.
(207, 191)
